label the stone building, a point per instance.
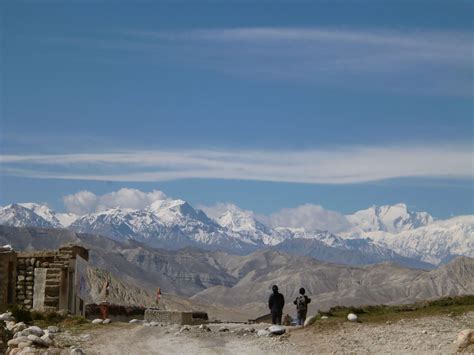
(8, 276)
(41, 280)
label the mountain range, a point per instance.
(236, 287)
(374, 235)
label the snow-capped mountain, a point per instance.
(396, 234)
(165, 223)
(16, 215)
(392, 219)
(34, 215)
(436, 243)
(325, 246)
(244, 223)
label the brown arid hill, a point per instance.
(240, 285)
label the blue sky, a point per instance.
(264, 104)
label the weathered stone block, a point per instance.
(170, 317)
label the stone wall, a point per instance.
(40, 280)
(8, 270)
(172, 317)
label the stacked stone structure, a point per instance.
(8, 269)
(42, 280)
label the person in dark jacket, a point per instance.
(276, 302)
(301, 303)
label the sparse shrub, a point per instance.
(37, 315)
(21, 314)
(75, 320)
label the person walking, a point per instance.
(276, 302)
(301, 303)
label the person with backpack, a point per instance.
(276, 302)
(301, 303)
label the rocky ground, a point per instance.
(431, 335)
(427, 335)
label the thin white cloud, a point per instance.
(85, 201)
(336, 166)
(441, 61)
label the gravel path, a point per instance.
(432, 335)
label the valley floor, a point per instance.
(427, 335)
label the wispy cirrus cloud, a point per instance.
(331, 166)
(415, 61)
(440, 61)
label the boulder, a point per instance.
(309, 321)
(47, 339)
(18, 327)
(106, 321)
(35, 331)
(465, 338)
(36, 340)
(351, 317)
(276, 330)
(97, 321)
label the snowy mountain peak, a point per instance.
(389, 218)
(238, 220)
(16, 215)
(176, 211)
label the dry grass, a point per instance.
(452, 306)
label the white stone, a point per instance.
(135, 321)
(36, 340)
(25, 344)
(53, 329)
(6, 317)
(309, 321)
(86, 337)
(15, 341)
(352, 317)
(223, 329)
(47, 339)
(465, 338)
(97, 321)
(263, 333)
(35, 330)
(276, 330)
(324, 317)
(184, 328)
(107, 321)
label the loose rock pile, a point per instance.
(24, 339)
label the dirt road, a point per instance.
(432, 335)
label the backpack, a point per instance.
(301, 304)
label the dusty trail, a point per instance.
(430, 335)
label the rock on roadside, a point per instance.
(465, 338)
